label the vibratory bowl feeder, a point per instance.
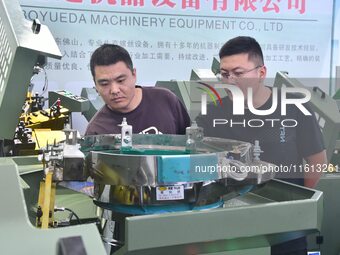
(139, 174)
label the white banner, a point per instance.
(168, 38)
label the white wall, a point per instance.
(169, 41)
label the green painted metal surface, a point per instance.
(248, 224)
(274, 213)
(330, 186)
(18, 236)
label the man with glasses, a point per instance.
(241, 65)
(148, 109)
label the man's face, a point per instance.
(240, 71)
(116, 85)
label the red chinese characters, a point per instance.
(266, 6)
(158, 3)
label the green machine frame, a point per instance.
(18, 235)
(328, 117)
(248, 224)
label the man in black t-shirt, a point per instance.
(149, 110)
(241, 65)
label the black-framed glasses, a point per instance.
(224, 75)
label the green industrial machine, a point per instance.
(18, 235)
(25, 46)
(246, 225)
(325, 108)
(328, 117)
(72, 102)
(95, 102)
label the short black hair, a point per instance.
(108, 54)
(243, 44)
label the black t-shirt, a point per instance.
(282, 144)
(160, 112)
(286, 146)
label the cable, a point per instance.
(72, 213)
(240, 174)
(37, 70)
(244, 148)
(45, 83)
